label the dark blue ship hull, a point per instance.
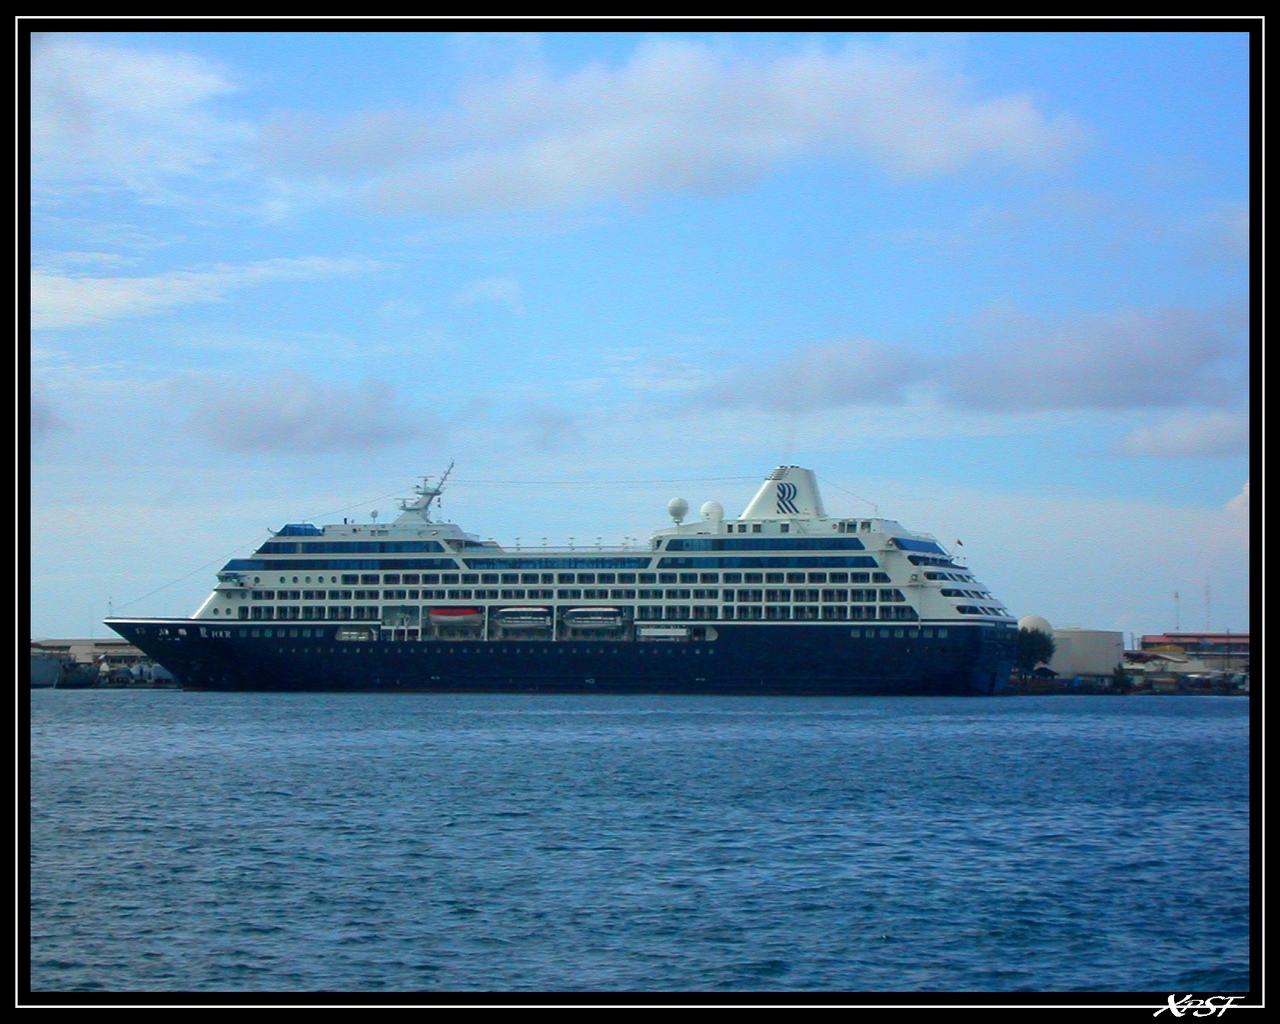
(744, 658)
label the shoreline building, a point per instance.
(1200, 652)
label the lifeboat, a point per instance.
(593, 618)
(456, 616)
(512, 617)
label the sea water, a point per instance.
(430, 843)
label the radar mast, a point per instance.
(426, 493)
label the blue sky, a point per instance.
(994, 286)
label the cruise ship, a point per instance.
(782, 599)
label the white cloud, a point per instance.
(1123, 359)
(679, 117)
(298, 414)
(837, 373)
(500, 290)
(1192, 435)
(44, 421)
(58, 300)
(1223, 233)
(400, 309)
(127, 117)
(1240, 503)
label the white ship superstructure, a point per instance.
(689, 573)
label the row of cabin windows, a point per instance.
(840, 527)
(827, 613)
(869, 633)
(471, 578)
(968, 609)
(799, 596)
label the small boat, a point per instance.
(593, 618)
(517, 617)
(46, 669)
(456, 616)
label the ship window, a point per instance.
(755, 527)
(709, 577)
(753, 577)
(489, 577)
(607, 577)
(733, 577)
(648, 577)
(795, 577)
(626, 577)
(784, 528)
(391, 577)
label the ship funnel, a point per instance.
(789, 492)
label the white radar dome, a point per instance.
(677, 508)
(713, 511)
(1035, 622)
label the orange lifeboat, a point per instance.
(456, 616)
